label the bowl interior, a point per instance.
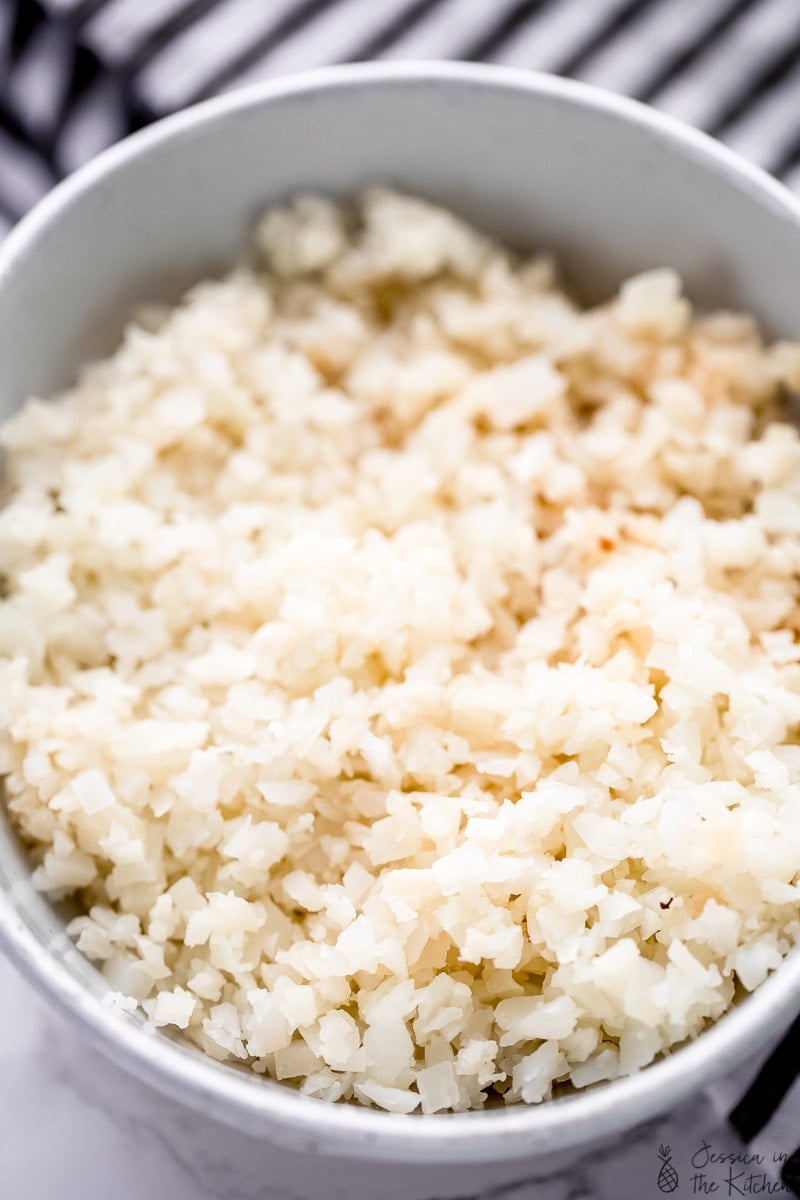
(608, 187)
(538, 162)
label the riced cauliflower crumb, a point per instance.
(400, 664)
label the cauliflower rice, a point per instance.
(400, 664)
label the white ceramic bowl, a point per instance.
(613, 188)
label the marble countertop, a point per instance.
(75, 1127)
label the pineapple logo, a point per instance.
(667, 1176)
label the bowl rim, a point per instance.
(277, 1111)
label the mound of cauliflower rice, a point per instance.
(401, 664)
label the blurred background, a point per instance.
(76, 75)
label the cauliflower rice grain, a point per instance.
(400, 664)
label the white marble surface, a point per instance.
(74, 1127)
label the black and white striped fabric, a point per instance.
(767, 1115)
(76, 75)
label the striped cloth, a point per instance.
(76, 75)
